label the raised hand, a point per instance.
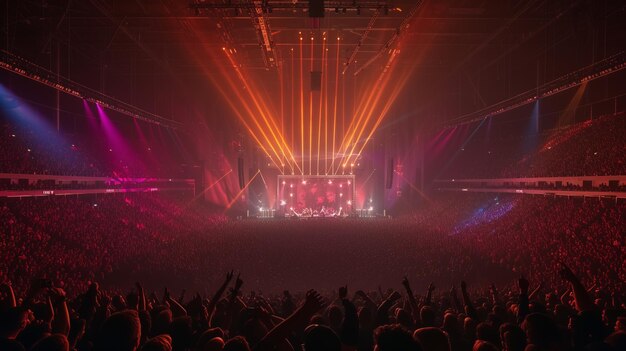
(360, 293)
(57, 293)
(313, 302)
(394, 296)
(166, 294)
(229, 276)
(405, 283)
(567, 274)
(343, 292)
(523, 284)
(238, 283)
(431, 287)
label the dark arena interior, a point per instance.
(205, 175)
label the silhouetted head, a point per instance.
(210, 334)
(451, 324)
(320, 338)
(486, 332)
(121, 332)
(215, 344)
(432, 339)
(12, 321)
(394, 337)
(481, 345)
(427, 315)
(540, 330)
(617, 340)
(335, 317)
(161, 342)
(469, 328)
(54, 342)
(237, 343)
(181, 333)
(514, 340)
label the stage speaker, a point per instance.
(389, 174)
(316, 80)
(316, 8)
(242, 181)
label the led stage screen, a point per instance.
(315, 196)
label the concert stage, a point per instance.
(308, 196)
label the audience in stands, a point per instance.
(591, 148)
(55, 250)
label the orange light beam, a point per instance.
(267, 118)
(356, 122)
(291, 103)
(311, 116)
(366, 180)
(270, 122)
(385, 77)
(282, 109)
(417, 190)
(208, 188)
(332, 165)
(248, 109)
(263, 179)
(235, 108)
(383, 113)
(354, 126)
(301, 110)
(368, 115)
(319, 119)
(259, 128)
(326, 113)
(241, 191)
(343, 111)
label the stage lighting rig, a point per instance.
(27, 69)
(594, 71)
(388, 45)
(202, 8)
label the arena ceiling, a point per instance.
(128, 36)
(445, 33)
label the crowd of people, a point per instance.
(591, 148)
(25, 150)
(71, 261)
